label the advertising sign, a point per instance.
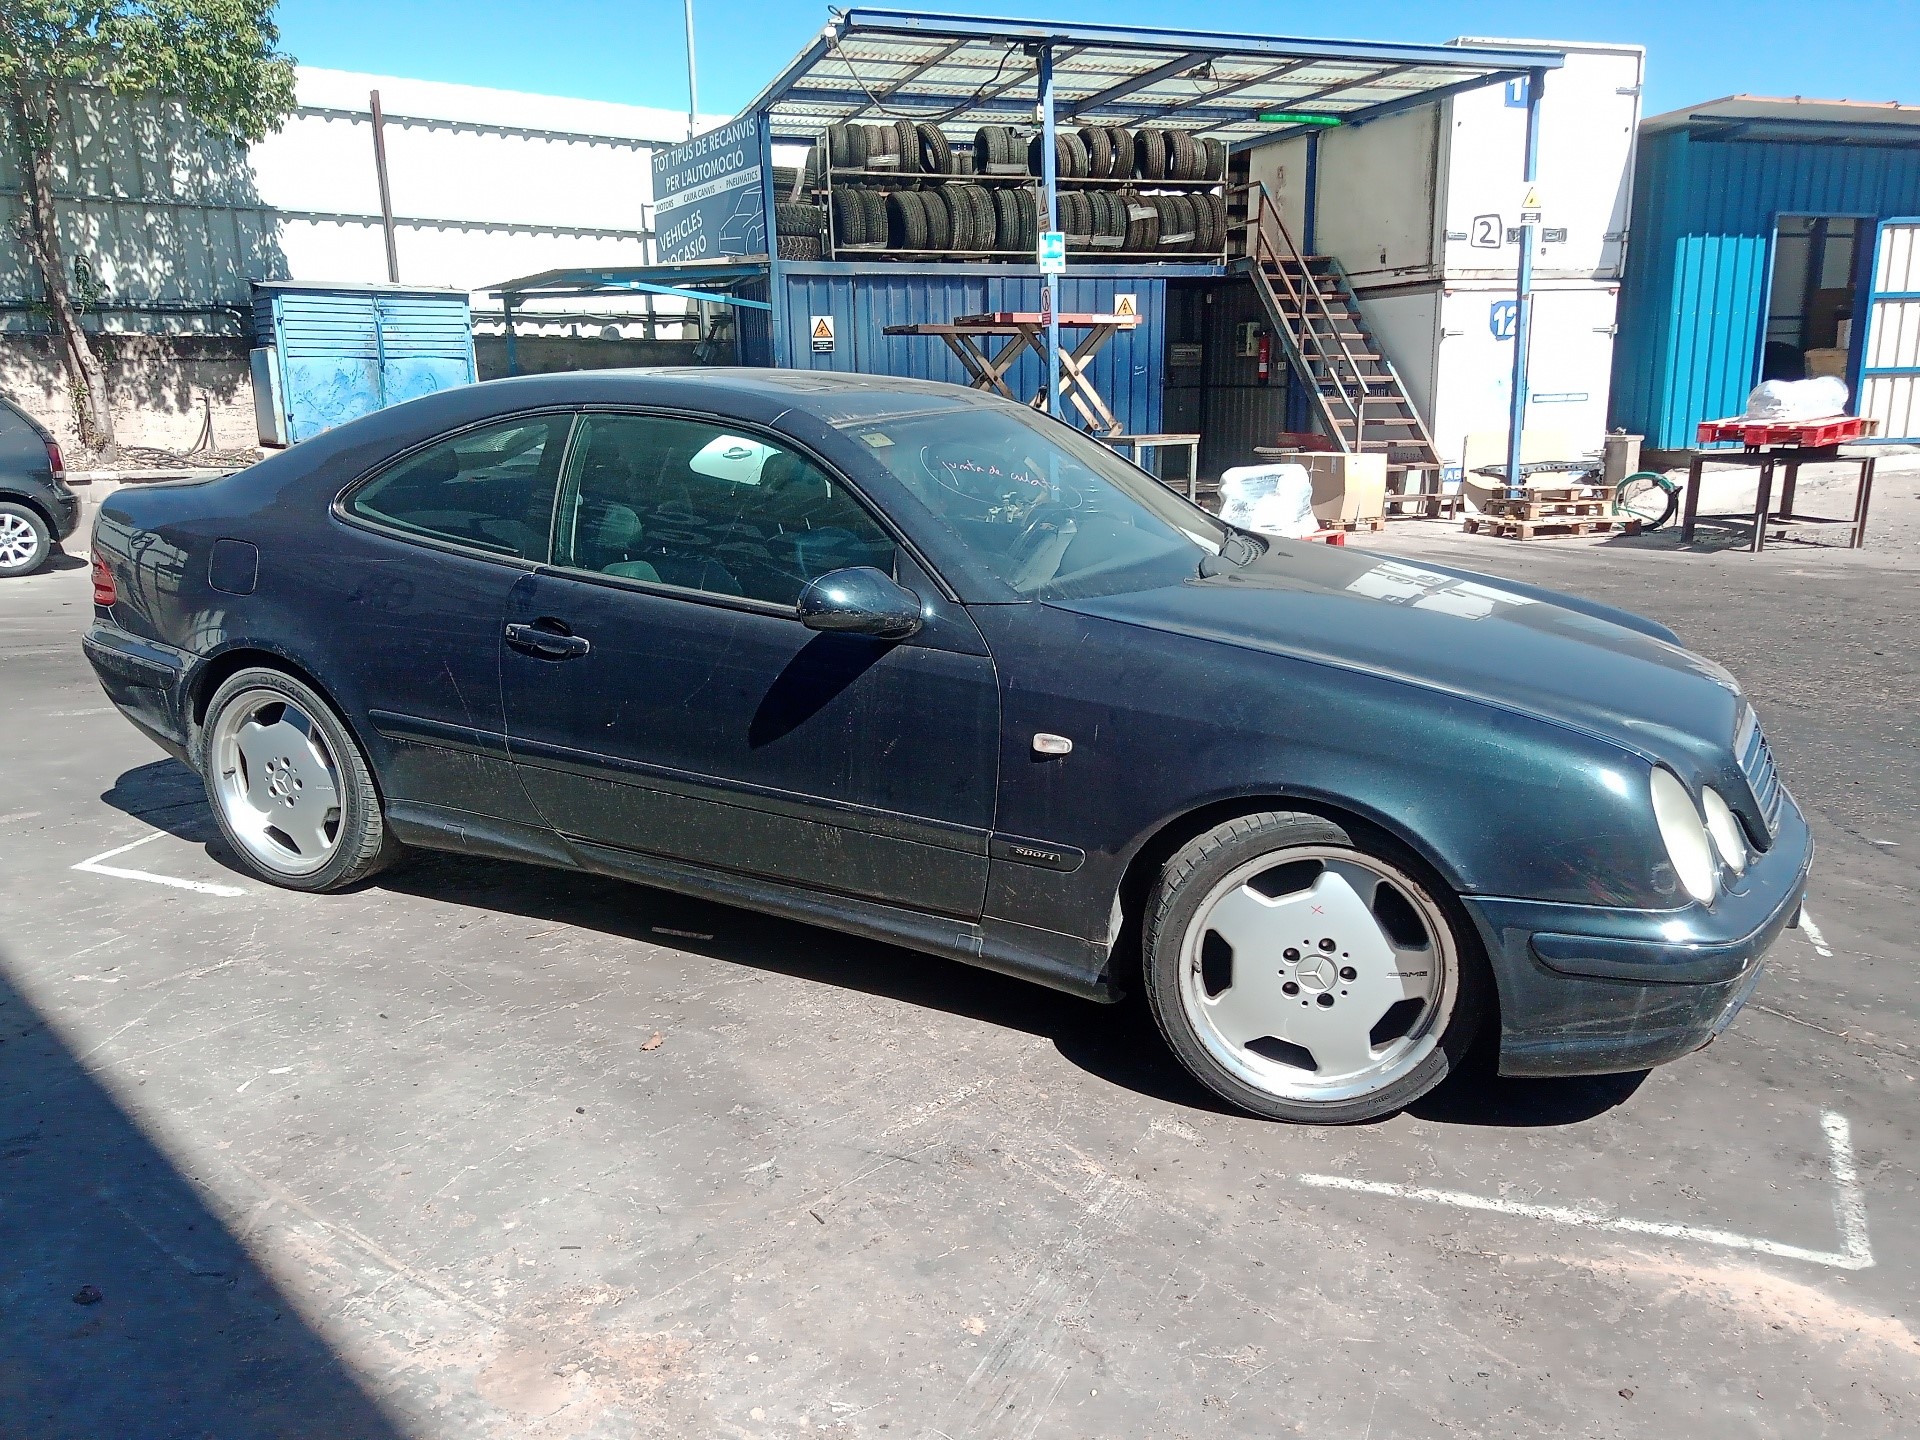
(709, 199)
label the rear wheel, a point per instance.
(1307, 974)
(25, 540)
(290, 787)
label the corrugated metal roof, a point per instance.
(962, 72)
(1860, 122)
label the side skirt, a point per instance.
(1060, 962)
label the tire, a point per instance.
(273, 754)
(1122, 139)
(959, 217)
(1647, 496)
(849, 144)
(873, 207)
(1006, 216)
(1143, 223)
(985, 218)
(993, 145)
(800, 247)
(1183, 221)
(936, 155)
(1210, 223)
(1099, 147)
(1213, 155)
(906, 144)
(1076, 220)
(25, 540)
(883, 148)
(907, 220)
(1150, 154)
(1030, 219)
(949, 221)
(798, 219)
(813, 179)
(1079, 162)
(1374, 930)
(1185, 164)
(849, 216)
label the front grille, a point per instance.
(1756, 763)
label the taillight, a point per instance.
(104, 591)
(54, 462)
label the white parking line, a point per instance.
(203, 887)
(1814, 937)
(1849, 1209)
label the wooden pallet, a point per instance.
(1365, 524)
(1531, 509)
(1548, 529)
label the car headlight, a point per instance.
(1685, 834)
(1728, 838)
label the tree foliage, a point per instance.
(220, 58)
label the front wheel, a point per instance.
(1305, 974)
(290, 787)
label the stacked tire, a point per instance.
(901, 187)
(799, 230)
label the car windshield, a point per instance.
(1054, 514)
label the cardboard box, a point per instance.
(1346, 487)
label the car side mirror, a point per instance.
(860, 600)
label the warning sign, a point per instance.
(1126, 305)
(823, 334)
(1531, 206)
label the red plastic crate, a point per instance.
(1802, 434)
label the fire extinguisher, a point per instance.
(1266, 357)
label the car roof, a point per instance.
(831, 396)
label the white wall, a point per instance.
(487, 185)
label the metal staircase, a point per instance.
(1355, 395)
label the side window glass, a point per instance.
(684, 503)
(490, 488)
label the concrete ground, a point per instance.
(483, 1150)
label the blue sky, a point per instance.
(632, 50)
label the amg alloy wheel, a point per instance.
(1304, 976)
(289, 787)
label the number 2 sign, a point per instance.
(1488, 232)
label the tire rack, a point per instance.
(822, 194)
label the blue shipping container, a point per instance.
(1700, 260)
(861, 302)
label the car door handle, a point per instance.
(550, 644)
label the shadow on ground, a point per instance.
(1117, 1043)
(126, 1307)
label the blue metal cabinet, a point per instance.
(334, 353)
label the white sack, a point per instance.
(1789, 400)
(1269, 499)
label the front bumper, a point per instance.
(1592, 991)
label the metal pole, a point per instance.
(513, 359)
(1523, 290)
(386, 194)
(1309, 228)
(1050, 182)
(693, 88)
